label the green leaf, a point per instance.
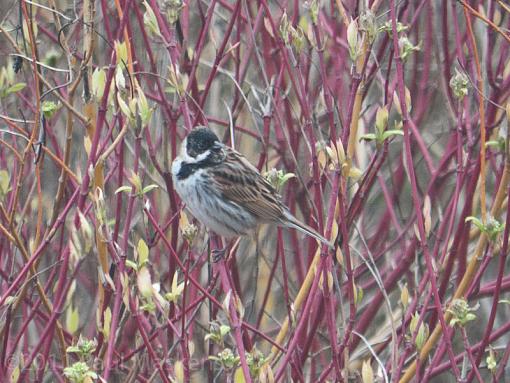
(454, 321)
(387, 134)
(15, 374)
(98, 83)
(148, 306)
(368, 137)
(476, 222)
(120, 80)
(123, 189)
(15, 88)
(358, 294)
(121, 51)
(499, 144)
(148, 188)
(143, 280)
(136, 182)
(176, 290)
(73, 349)
(209, 336)
(72, 319)
(107, 322)
(381, 119)
(5, 181)
(144, 111)
(150, 20)
(143, 252)
(239, 376)
(395, 132)
(124, 107)
(179, 371)
(285, 178)
(352, 39)
(131, 264)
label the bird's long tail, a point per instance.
(291, 221)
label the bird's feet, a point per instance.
(218, 254)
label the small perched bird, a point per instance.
(225, 192)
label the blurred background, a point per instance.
(383, 125)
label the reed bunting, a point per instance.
(225, 192)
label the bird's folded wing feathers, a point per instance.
(241, 183)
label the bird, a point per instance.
(225, 192)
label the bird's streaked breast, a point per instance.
(206, 203)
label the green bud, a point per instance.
(459, 83)
(352, 39)
(173, 10)
(406, 47)
(368, 24)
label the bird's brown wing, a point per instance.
(241, 183)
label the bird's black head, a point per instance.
(199, 140)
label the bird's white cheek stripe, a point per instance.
(202, 156)
(190, 160)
